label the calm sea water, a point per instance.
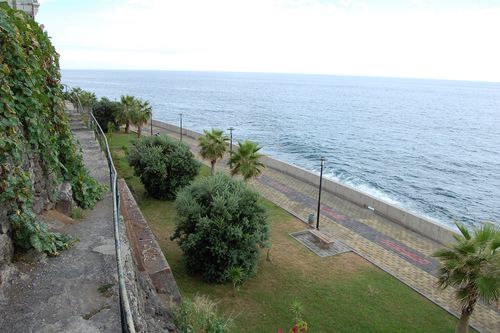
(426, 145)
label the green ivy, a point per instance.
(33, 121)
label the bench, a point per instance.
(324, 240)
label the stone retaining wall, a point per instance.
(146, 251)
(419, 224)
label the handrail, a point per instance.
(125, 312)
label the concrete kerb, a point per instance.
(418, 224)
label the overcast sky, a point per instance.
(443, 39)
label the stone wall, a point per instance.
(153, 291)
(412, 221)
(46, 194)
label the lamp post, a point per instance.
(180, 114)
(231, 129)
(319, 194)
(151, 120)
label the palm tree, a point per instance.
(141, 114)
(471, 266)
(128, 106)
(75, 94)
(213, 145)
(88, 99)
(246, 160)
(237, 275)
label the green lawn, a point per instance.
(343, 293)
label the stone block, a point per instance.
(65, 201)
(6, 250)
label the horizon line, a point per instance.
(285, 73)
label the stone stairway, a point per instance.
(76, 291)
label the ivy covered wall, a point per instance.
(37, 148)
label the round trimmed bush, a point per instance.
(163, 165)
(220, 224)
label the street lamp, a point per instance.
(319, 195)
(230, 129)
(180, 114)
(151, 120)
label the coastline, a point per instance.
(419, 224)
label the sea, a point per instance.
(429, 146)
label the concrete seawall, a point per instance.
(419, 224)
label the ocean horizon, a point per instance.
(426, 145)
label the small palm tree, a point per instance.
(74, 95)
(237, 276)
(213, 145)
(141, 114)
(471, 266)
(246, 160)
(128, 106)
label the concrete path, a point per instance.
(402, 253)
(68, 293)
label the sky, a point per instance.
(442, 39)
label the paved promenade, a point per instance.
(402, 253)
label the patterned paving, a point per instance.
(413, 256)
(400, 252)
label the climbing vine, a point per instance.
(33, 122)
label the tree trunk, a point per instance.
(139, 131)
(213, 166)
(463, 323)
(127, 126)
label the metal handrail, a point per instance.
(127, 322)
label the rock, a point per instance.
(65, 202)
(4, 221)
(6, 249)
(38, 204)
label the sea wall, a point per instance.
(412, 221)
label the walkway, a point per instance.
(402, 253)
(65, 293)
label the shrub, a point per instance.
(105, 112)
(220, 224)
(86, 190)
(163, 165)
(200, 315)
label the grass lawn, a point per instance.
(343, 293)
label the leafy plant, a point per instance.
(141, 114)
(246, 160)
(237, 276)
(213, 145)
(33, 124)
(472, 266)
(199, 314)
(106, 113)
(128, 107)
(220, 224)
(300, 325)
(86, 190)
(163, 165)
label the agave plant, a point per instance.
(472, 266)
